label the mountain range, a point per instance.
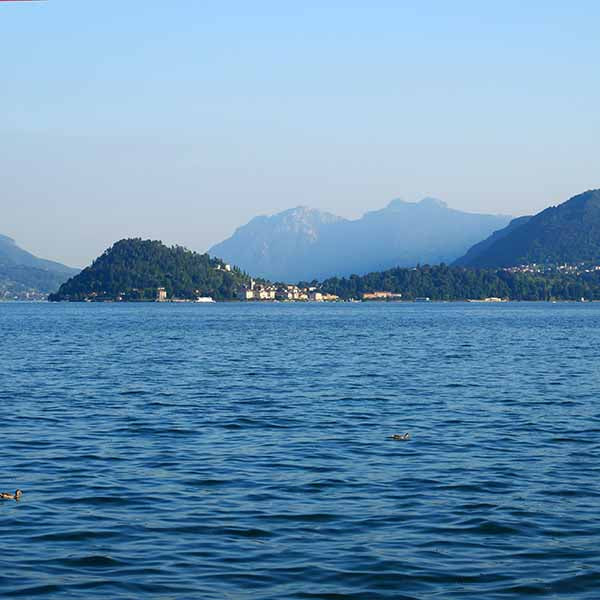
(303, 244)
(567, 233)
(23, 275)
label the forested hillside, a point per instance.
(567, 233)
(133, 269)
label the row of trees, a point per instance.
(442, 282)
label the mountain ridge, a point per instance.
(24, 275)
(565, 233)
(9, 250)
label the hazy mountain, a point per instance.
(306, 244)
(10, 252)
(281, 247)
(567, 233)
(22, 272)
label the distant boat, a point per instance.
(204, 299)
(424, 299)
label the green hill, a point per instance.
(567, 233)
(133, 269)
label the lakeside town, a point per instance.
(259, 292)
(293, 293)
(269, 292)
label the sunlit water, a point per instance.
(242, 451)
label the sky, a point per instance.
(181, 121)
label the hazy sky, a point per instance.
(182, 120)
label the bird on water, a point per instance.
(9, 496)
(402, 438)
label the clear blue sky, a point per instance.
(182, 120)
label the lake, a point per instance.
(243, 451)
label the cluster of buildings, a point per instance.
(22, 295)
(551, 268)
(285, 293)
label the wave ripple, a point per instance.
(243, 451)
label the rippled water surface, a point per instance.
(242, 451)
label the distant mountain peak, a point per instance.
(306, 212)
(427, 202)
(433, 202)
(397, 203)
(298, 213)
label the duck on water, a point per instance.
(9, 496)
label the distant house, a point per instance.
(490, 299)
(161, 294)
(246, 294)
(265, 293)
(381, 296)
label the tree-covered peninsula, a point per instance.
(133, 270)
(442, 282)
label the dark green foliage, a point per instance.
(133, 269)
(456, 283)
(568, 233)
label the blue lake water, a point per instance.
(242, 451)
